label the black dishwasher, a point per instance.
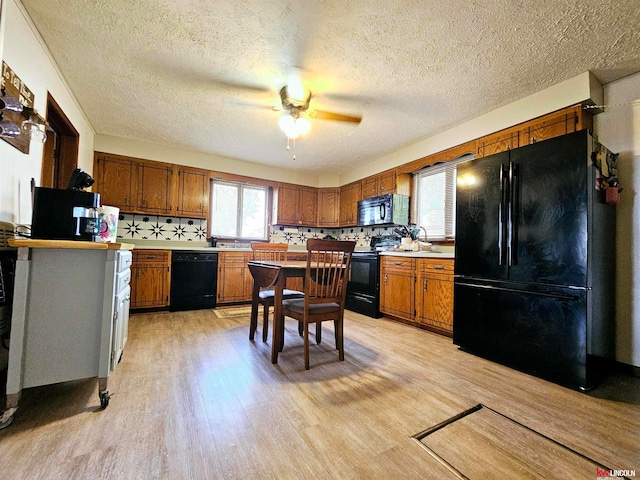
(194, 280)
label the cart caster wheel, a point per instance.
(5, 422)
(104, 399)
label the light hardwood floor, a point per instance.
(193, 398)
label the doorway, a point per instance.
(60, 154)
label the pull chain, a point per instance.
(289, 146)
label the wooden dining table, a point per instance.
(273, 274)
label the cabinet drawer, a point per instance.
(123, 279)
(431, 265)
(234, 257)
(400, 264)
(125, 258)
(152, 256)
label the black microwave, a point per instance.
(391, 209)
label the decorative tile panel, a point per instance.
(153, 227)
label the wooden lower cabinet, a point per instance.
(418, 291)
(235, 283)
(435, 294)
(150, 278)
(397, 287)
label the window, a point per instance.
(435, 193)
(238, 210)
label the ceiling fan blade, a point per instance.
(338, 117)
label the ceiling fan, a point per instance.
(295, 99)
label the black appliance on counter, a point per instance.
(194, 280)
(363, 287)
(60, 214)
(391, 209)
(535, 261)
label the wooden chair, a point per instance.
(325, 288)
(267, 251)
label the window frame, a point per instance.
(449, 168)
(241, 186)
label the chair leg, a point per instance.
(265, 322)
(253, 323)
(300, 329)
(306, 346)
(335, 332)
(318, 332)
(340, 339)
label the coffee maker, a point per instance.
(70, 214)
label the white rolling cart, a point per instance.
(70, 315)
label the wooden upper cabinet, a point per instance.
(552, 125)
(193, 192)
(498, 142)
(286, 205)
(350, 195)
(295, 205)
(155, 188)
(370, 187)
(387, 183)
(116, 181)
(329, 207)
(308, 206)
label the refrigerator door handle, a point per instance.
(502, 212)
(512, 245)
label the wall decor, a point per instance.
(14, 88)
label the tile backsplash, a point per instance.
(153, 227)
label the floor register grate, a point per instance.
(481, 443)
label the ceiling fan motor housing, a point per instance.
(295, 104)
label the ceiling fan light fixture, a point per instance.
(294, 127)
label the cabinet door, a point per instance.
(436, 302)
(328, 207)
(116, 181)
(287, 205)
(155, 188)
(150, 278)
(370, 187)
(308, 207)
(350, 195)
(548, 127)
(234, 279)
(498, 142)
(149, 287)
(193, 193)
(397, 287)
(387, 183)
(231, 282)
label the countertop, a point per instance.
(68, 244)
(202, 246)
(419, 254)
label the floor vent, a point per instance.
(482, 443)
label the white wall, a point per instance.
(24, 51)
(618, 128)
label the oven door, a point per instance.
(363, 275)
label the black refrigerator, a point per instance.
(535, 261)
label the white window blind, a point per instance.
(238, 210)
(435, 193)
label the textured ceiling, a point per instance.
(200, 74)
